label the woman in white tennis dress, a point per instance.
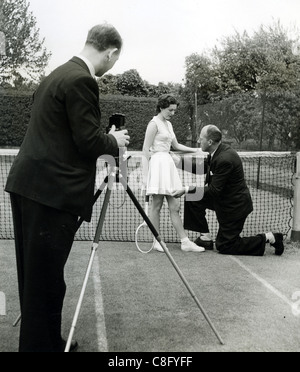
(163, 178)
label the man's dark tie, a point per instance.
(207, 179)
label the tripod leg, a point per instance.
(96, 197)
(79, 304)
(192, 292)
(158, 238)
(95, 246)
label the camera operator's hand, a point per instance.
(121, 136)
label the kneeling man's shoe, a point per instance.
(278, 245)
(207, 244)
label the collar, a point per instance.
(89, 65)
(213, 153)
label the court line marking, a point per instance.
(264, 282)
(99, 308)
(2, 304)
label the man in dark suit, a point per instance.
(226, 193)
(52, 180)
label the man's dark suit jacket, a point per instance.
(56, 164)
(227, 188)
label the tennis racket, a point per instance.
(143, 235)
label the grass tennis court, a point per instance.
(137, 303)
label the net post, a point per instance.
(295, 236)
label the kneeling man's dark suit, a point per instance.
(226, 193)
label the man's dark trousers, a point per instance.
(228, 240)
(43, 243)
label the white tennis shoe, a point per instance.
(189, 246)
(157, 247)
(186, 246)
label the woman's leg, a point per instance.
(154, 215)
(186, 244)
(174, 208)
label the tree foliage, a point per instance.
(25, 56)
(249, 85)
(131, 84)
(2, 35)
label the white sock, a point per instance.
(184, 240)
(206, 237)
(270, 237)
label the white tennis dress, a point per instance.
(163, 177)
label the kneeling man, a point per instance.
(227, 193)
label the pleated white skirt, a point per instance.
(163, 177)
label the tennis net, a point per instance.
(269, 176)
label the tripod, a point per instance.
(114, 175)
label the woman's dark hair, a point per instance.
(166, 101)
(104, 36)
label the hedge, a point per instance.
(15, 116)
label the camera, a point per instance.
(118, 120)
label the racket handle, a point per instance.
(147, 199)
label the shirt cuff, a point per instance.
(190, 189)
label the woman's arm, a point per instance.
(148, 142)
(178, 147)
(149, 139)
